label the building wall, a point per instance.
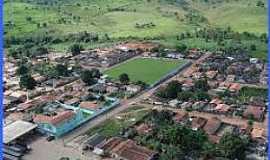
(68, 125)
(62, 128)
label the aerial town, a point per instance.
(135, 98)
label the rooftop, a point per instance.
(60, 117)
(16, 130)
(212, 126)
(130, 151)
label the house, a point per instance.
(230, 78)
(197, 123)
(56, 119)
(253, 60)
(235, 87)
(89, 105)
(173, 103)
(197, 75)
(186, 105)
(112, 89)
(107, 146)
(259, 134)
(187, 84)
(213, 84)
(99, 88)
(211, 74)
(199, 105)
(222, 108)
(56, 125)
(39, 78)
(129, 150)
(180, 117)
(174, 55)
(133, 88)
(212, 126)
(72, 101)
(255, 112)
(94, 141)
(21, 95)
(216, 101)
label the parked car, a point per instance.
(50, 138)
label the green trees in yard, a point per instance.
(27, 82)
(75, 49)
(90, 76)
(61, 70)
(124, 78)
(202, 85)
(22, 69)
(170, 91)
(181, 48)
(232, 146)
(184, 95)
(87, 78)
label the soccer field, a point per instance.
(147, 70)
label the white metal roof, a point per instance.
(17, 129)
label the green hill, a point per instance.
(160, 20)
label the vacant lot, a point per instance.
(144, 69)
(125, 119)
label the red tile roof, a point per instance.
(60, 117)
(216, 101)
(235, 87)
(256, 111)
(198, 122)
(222, 108)
(89, 105)
(212, 126)
(180, 117)
(130, 151)
(258, 133)
(108, 145)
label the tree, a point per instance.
(61, 70)
(124, 79)
(29, 19)
(171, 90)
(86, 77)
(21, 70)
(38, 51)
(44, 24)
(201, 84)
(253, 47)
(184, 96)
(101, 98)
(75, 49)
(201, 96)
(96, 73)
(142, 84)
(182, 48)
(27, 81)
(232, 146)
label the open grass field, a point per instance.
(125, 119)
(144, 69)
(121, 18)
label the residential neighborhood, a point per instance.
(135, 80)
